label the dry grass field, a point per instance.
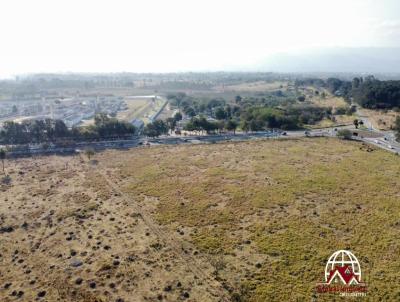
(136, 108)
(382, 120)
(341, 120)
(140, 108)
(255, 86)
(333, 102)
(244, 221)
(329, 101)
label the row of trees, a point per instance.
(160, 127)
(156, 128)
(288, 118)
(190, 106)
(48, 130)
(202, 124)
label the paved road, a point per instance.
(386, 141)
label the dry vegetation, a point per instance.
(340, 120)
(166, 113)
(136, 108)
(250, 221)
(255, 86)
(66, 235)
(329, 101)
(380, 119)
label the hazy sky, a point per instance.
(181, 35)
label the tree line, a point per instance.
(375, 94)
(397, 128)
(49, 130)
(368, 92)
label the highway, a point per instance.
(385, 140)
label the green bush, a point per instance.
(344, 134)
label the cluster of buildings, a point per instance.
(72, 110)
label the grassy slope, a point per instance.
(272, 212)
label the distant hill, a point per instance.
(355, 60)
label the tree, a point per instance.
(89, 152)
(376, 94)
(101, 119)
(105, 126)
(201, 124)
(179, 97)
(228, 111)
(256, 125)
(301, 98)
(231, 125)
(171, 123)
(245, 125)
(397, 128)
(156, 128)
(220, 125)
(178, 116)
(350, 110)
(355, 122)
(356, 83)
(344, 134)
(220, 114)
(189, 111)
(2, 158)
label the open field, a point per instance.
(140, 108)
(67, 235)
(329, 101)
(333, 102)
(342, 119)
(245, 221)
(255, 86)
(136, 108)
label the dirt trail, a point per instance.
(179, 248)
(69, 234)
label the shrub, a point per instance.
(344, 134)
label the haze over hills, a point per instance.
(379, 61)
(355, 60)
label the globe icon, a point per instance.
(340, 259)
